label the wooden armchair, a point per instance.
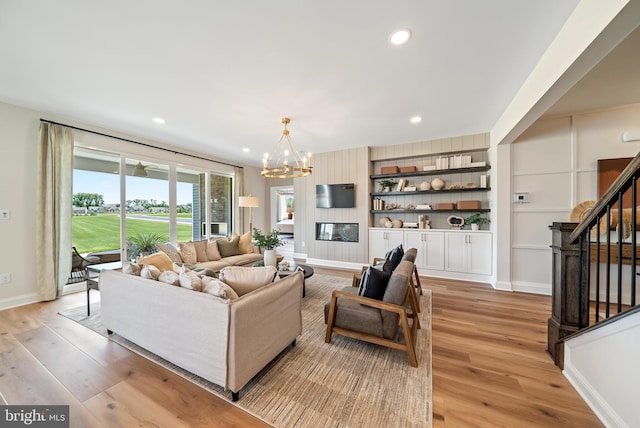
(377, 321)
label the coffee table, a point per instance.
(93, 276)
(307, 271)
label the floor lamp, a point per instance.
(249, 202)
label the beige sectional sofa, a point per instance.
(214, 254)
(226, 341)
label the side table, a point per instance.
(93, 277)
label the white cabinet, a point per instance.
(430, 246)
(382, 240)
(468, 252)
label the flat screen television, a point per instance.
(335, 195)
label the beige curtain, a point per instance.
(238, 190)
(53, 211)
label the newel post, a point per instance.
(567, 293)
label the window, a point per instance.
(166, 200)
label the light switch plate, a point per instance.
(5, 278)
(5, 214)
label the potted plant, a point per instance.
(476, 220)
(143, 244)
(386, 185)
(268, 241)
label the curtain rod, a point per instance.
(139, 143)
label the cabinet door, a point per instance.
(456, 251)
(430, 246)
(480, 253)
(433, 250)
(382, 240)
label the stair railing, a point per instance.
(582, 294)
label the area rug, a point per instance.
(345, 383)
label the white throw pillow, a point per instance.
(169, 277)
(190, 280)
(246, 279)
(218, 288)
(131, 268)
(150, 272)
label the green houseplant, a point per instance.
(142, 244)
(476, 220)
(387, 183)
(268, 241)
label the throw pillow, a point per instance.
(213, 253)
(218, 288)
(169, 277)
(229, 248)
(159, 260)
(395, 257)
(374, 283)
(131, 268)
(150, 272)
(245, 244)
(179, 268)
(188, 252)
(170, 251)
(190, 280)
(243, 280)
(201, 251)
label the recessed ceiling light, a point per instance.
(400, 37)
(415, 119)
(159, 120)
(246, 149)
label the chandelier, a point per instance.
(287, 161)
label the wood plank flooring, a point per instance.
(490, 368)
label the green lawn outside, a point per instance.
(102, 232)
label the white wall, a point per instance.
(602, 365)
(18, 166)
(555, 161)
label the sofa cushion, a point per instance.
(245, 244)
(170, 251)
(229, 248)
(189, 279)
(188, 252)
(159, 260)
(374, 283)
(201, 251)
(246, 279)
(131, 268)
(213, 253)
(169, 277)
(150, 272)
(243, 259)
(218, 288)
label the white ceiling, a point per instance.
(223, 74)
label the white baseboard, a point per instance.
(302, 256)
(13, 302)
(590, 395)
(335, 263)
(531, 287)
(503, 286)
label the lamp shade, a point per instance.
(249, 201)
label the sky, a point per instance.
(108, 185)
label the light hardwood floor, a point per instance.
(490, 368)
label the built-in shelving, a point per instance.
(434, 172)
(406, 211)
(426, 192)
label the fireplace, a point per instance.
(337, 232)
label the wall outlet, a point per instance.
(5, 214)
(302, 243)
(5, 278)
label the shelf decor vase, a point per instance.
(270, 258)
(437, 184)
(475, 226)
